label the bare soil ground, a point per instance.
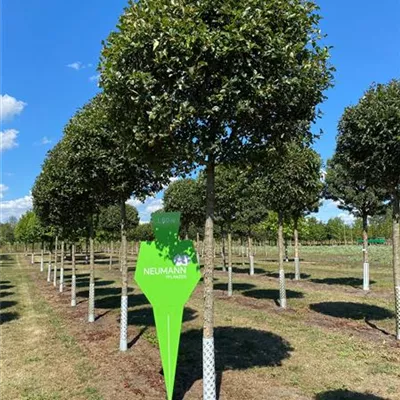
(333, 342)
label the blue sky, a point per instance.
(50, 50)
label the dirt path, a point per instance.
(38, 356)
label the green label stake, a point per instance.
(167, 272)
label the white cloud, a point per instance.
(154, 205)
(15, 207)
(3, 188)
(145, 208)
(134, 202)
(332, 203)
(347, 218)
(78, 65)
(9, 107)
(94, 78)
(45, 140)
(8, 139)
(75, 65)
(172, 179)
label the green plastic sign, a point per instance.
(167, 273)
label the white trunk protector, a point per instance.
(73, 291)
(209, 387)
(366, 276)
(123, 342)
(282, 288)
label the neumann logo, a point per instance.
(179, 271)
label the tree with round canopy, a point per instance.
(185, 196)
(369, 142)
(109, 224)
(28, 230)
(290, 178)
(352, 189)
(206, 83)
(62, 202)
(113, 172)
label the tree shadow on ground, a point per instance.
(244, 270)
(343, 309)
(272, 294)
(288, 275)
(276, 260)
(5, 287)
(7, 304)
(137, 337)
(4, 282)
(236, 286)
(344, 394)
(5, 294)
(8, 316)
(348, 281)
(235, 349)
(106, 261)
(6, 257)
(79, 277)
(111, 302)
(145, 316)
(98, 282)
(202, 279)
(102, 292)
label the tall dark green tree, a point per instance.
(187, 197)
(369, 141)
(290, 177)
(112, 172)
(252, 209)
(205, 83)
(28, 231)
(109, 223)
(352, 189)
(63, 203)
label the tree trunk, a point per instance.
(396, 258)
(120, 257)
(243, 252)
(251, 256)
(365, 253)
(91, 279)
(111, 255)
(209, 387)
(55, 263)
(73, 282)
(286, 250)
(41, 257)
(198, 247)
(223, 253)
(282, 289)
(296, 250)
(123, 343)
(33, 254)
(230, 289)
(49, 268)
(62, 267)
